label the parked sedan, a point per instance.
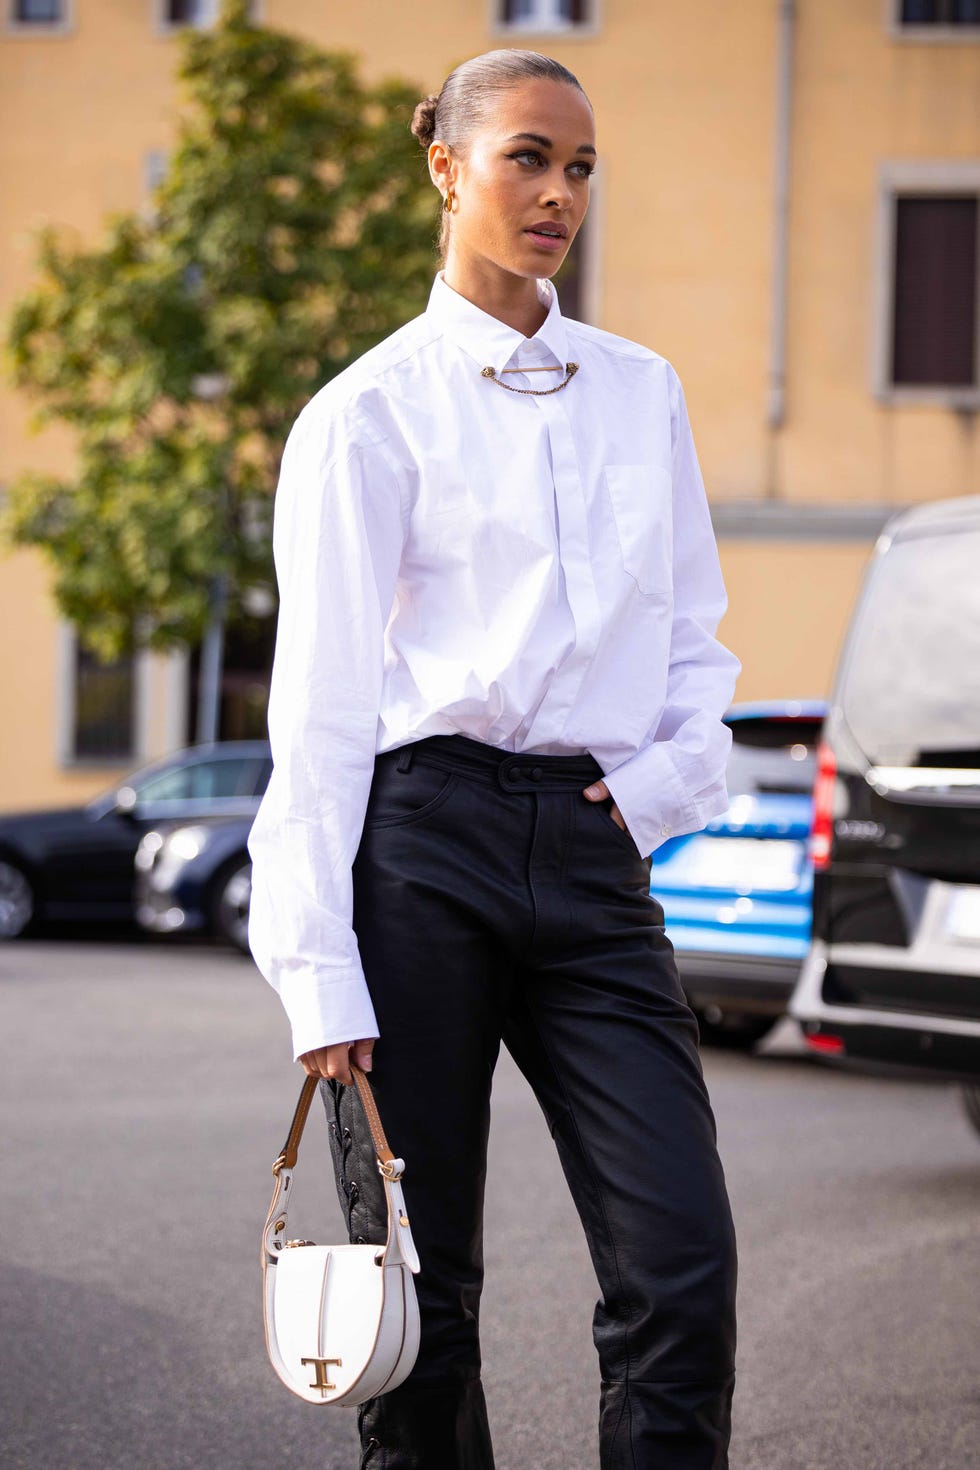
(737, 896)
(76, 863)
(196, 878)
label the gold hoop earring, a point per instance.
(447, 203)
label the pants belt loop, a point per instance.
(405, 759)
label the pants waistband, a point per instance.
(474, 759)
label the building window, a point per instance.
(37, 12)
(103, 708)
(934, 293)
(939, 13)
(926, 301)
(174, 15)
(155, 164)
(572, 280)
(246, 671)
(545, 15)
(190, 12)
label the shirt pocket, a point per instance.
(641, 499)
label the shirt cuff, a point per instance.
(653, 800)
(327, 1008)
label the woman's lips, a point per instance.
(546, 242)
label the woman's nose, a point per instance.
(558, 191)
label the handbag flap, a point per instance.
(327, 1306)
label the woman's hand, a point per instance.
(599, 792)
(334, 1061)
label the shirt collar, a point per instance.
(491, 343)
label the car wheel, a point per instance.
(229, 908)
(16, 901)
(970, 1092)
(732, 1029)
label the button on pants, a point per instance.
(493, 901)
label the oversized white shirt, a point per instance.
(537, 573)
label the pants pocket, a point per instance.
(398, 798)
(606, 819)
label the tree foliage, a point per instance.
(292, 231)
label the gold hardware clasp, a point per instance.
(320, 1366)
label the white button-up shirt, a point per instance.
(537, 573)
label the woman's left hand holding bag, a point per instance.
(334, 1061)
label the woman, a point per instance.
(496, 689)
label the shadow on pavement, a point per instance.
(91, 1382)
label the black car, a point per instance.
(76, 863)
(196, 877)
(893, 973)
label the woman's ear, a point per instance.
(440, 166)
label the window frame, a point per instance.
(919, 176)
(583, 31)
(34, 29)
(942, 35)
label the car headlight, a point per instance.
(186, 843)
(146, 853)
(160, 856)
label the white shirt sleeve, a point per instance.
(676, 783)
(337, 541)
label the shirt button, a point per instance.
(536, 773)
(665, 830)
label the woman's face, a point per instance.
(521, 183)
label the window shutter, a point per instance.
(935, 301)
(940, 12)
(104, 705)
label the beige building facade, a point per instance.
(786, 208)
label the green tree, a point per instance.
(293, 230)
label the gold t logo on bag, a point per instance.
(320, 1366)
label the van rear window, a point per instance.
(910, 681)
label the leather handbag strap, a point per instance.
(400, 1248)
(290, 1149)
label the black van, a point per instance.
(893, 973)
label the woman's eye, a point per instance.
(533, 158)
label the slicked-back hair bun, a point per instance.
(424, 120)
(468, 91)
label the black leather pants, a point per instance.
(493, 901)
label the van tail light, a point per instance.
(823, 806)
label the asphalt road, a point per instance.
(145, 1091)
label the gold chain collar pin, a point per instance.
(571, 368)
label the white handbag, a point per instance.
(341, 1321)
